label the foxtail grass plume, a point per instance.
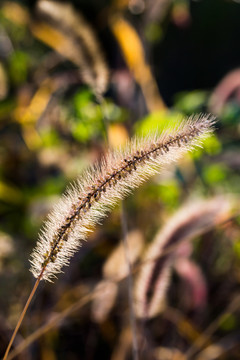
(88, 200)
(190, 221)
(78, 42)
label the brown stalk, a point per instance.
(23, 314)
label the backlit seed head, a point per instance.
(96, 192)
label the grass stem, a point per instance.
(23, 314)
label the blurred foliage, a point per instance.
(190, 102)
(88, 116)
(52, 126)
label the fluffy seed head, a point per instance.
(80, 44)
(103, 185)
(190, 221)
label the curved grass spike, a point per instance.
(87, 201)
(190, 221)
(70, 34)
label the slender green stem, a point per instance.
(23, 314)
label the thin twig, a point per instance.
(135, 349)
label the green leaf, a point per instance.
(215, 173)
(191, 102)
(156, 122)
(18, 67)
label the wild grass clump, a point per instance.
(89, 199)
